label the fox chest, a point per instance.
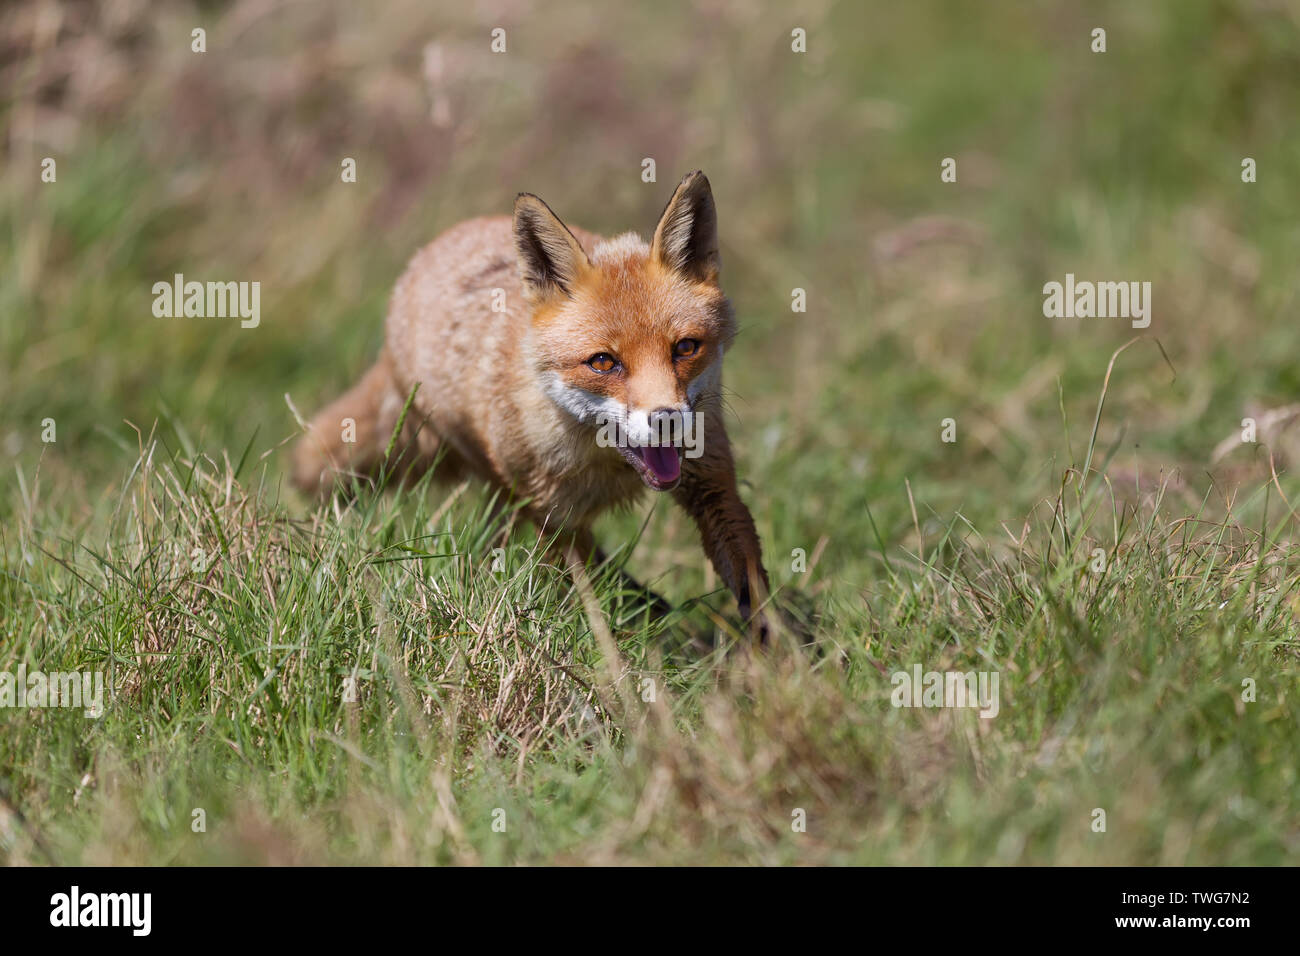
(579, 483)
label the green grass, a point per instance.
(486, 689)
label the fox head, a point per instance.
(630, 338)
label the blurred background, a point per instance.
(924, 298)
(1122, 689)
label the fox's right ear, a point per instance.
(551, 260)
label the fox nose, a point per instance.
(665, 423)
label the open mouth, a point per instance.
(660, 466)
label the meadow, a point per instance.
(403, 679)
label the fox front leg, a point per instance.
(708, 494)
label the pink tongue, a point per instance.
(663, 462)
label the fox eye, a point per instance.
(602, 362)
(686, 348)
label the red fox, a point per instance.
(530, 342)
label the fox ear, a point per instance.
(550, 259)
(686, 239)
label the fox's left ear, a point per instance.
(686, 239)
